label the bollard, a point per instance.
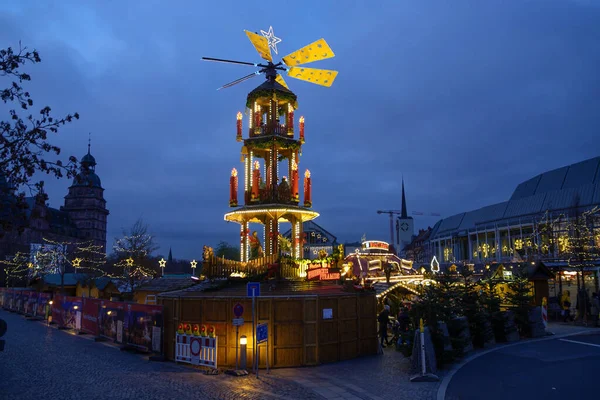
(243, 343)
(423, 376)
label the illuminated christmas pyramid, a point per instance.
(271, 152)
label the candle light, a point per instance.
(239, 127)
(233, 188)
(307, 190)
(294, 181)
(256, 182)
(301, 129)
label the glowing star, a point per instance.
(129, 262)
(76, 262)
(271, 38)
(194, 263)
(162, 263)
(435, 265)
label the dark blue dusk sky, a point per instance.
(465, 98)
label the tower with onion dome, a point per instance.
(85, 202)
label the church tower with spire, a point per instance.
(406, 226)
(85, 202)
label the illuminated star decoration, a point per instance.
(76, 262)
(271, 38)
(194, 263)
(162, 263)
(129, 262)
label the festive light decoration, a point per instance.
(233, 188)
(271, 38)
(290, 120)
(301, 125)
(435, 265)
(294, 181)
(307, 190)
(239, 127)
(256, 182)
(194, 263)
(129, 262)
(163, 264)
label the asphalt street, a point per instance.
(567, 368)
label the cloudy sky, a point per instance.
(464, 98)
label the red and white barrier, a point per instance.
(182, 349)
(196, 350)
(545, 312)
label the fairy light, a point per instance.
(297, 239)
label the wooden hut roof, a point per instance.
(223, 288)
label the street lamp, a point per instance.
(194, 263)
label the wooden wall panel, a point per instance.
(298, 334)
(287, 357)
(286, 335)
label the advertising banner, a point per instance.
(18, 301)
(24, 301)
(90, 309)
(110, 320)
(31, 303)
(9, 299)
(64, 311)
(139, 324)
(40, 307)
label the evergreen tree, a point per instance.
(519, 296)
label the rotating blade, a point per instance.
(316, 51)
(245, 78)
(323, 77)
(261, 44)
(279, 79)
(229, 61)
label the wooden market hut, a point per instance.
(309, 323)
(537, 273)
(147, 292)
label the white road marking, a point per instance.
(578, 342)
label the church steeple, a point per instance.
(404, 214)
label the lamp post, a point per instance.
(194, 263)
(48, 314)
(243, 343)
(163, 264)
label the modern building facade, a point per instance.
(534, 224)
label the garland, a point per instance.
(268, 93)
(268, 143)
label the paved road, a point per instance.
(44, 363)
(567, 368)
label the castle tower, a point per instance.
(406, 225)
(271, 185)
(85, 202)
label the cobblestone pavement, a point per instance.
(379, 377)
(43, 362)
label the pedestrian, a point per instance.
(566, 305)
(595, 309)
(384, 320)
(403, 320)
(388, 272)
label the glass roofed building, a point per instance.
(534, 224)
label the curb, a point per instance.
(441, 393)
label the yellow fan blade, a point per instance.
(279, 79)
(261, 44)
(316, 51)
(323, 77)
